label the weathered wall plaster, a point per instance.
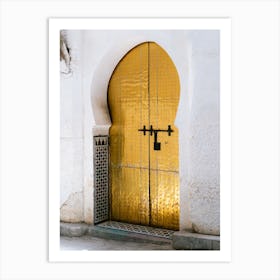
(71, 135)
(203, 180)
(196, 56)
(70, 209)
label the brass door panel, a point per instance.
(129, 159)
(164, 98)
(164, 199)
(130, 195)
(144, 90)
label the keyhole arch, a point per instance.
(124, 57)
(144, 89)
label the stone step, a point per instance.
(184, 240)
(101, 231)
(180, 240)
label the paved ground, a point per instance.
(94, 243)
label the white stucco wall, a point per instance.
(84, 112)
(72, 136)
(203, 180)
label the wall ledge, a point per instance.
(185, 240)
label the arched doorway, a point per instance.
(143, 95)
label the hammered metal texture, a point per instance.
(144, 90)
(165, 233)
(129, 158)
(101, 188)
(164, 175)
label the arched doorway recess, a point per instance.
(143, 95)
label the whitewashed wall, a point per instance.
(71, 135)
(84, 113)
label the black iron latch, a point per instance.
(155, 131)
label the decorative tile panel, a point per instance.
(101, 177)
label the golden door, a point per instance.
(143, 96)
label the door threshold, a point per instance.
(138, 229)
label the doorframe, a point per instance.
(100, 112)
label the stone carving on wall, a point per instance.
(65, 54)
